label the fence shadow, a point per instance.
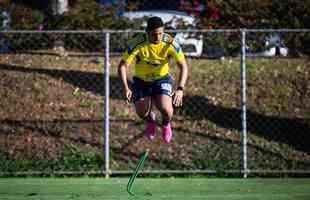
(292, 131)
(227, 141)
(53, 128)
(88, 81)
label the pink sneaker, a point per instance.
(167, 133)
(150, 127)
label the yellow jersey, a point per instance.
(152, 60)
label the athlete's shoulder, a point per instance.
(136, 40)
(167, 38)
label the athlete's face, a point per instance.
(156, 35)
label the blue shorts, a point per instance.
(142, 88)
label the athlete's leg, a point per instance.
(142, 97)
(143, 104)
(143, 107)
(164, 105)
(163, 102)
(144, 111)
(162, 90)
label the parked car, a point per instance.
(273, 45)
(191, 43)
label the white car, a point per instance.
(191, 45)
(274, 46)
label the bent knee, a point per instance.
(167, 111)
(143, 107)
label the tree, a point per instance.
(262, 14)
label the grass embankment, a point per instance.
(51, 116)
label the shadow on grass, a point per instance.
(255, 151)
(88, 81)
(67, 129)
(292, 131)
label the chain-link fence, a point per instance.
(252, 117)
(278, 101)
(52, 91)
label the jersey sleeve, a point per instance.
(129, 55)
(132, 47)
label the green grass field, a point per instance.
(159, 189)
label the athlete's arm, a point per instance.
(183, 74)
(122, 73)
(176, 51)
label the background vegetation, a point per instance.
(91, 15)
(232, 14)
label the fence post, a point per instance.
(107, 104)
(243, 104)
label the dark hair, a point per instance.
(153, 23)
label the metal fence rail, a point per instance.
(243, 113)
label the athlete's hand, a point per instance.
(177, 98)
(128, 95)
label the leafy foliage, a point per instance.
(262, 14)
(25, 18)
(91, 15)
